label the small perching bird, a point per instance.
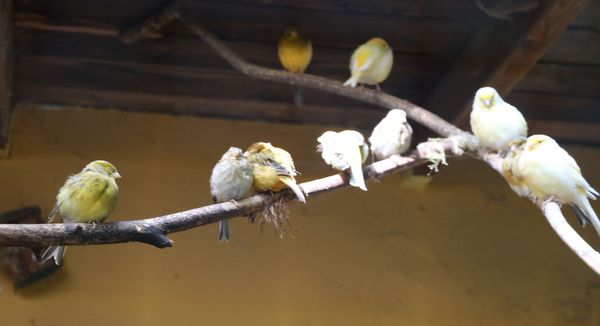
(273, 169)
(510, 169)
(391, 136)
(370, 63)
(550, 173)
(345, 150)
(231, 179)
(88, 196)
(295, 53)
(494, 122)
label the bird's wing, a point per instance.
(364, 59)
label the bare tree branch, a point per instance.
(153, 230)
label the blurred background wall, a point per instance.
(463, 250)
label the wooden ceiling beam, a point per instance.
(6, 69)
(496, 57)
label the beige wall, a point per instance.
(464, 251)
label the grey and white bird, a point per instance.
(231, 179)
(495, 123)
(391, 136)
(345, 150)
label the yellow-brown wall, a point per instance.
(464, 251)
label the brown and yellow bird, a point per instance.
(273, 169)
(295, 53)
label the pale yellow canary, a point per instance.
(494, 122)
(88, 196)
(371, 63)
(345, 150)
(295, 53)
(273, 169)
(552, 174)
(391, 136)
(510, 170)
(231, 179)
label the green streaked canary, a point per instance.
(88, 196)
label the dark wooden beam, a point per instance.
(6, 69)
(498, 59)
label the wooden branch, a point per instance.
(153, 230)
(6, 69)
(151, 24)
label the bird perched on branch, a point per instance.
(510, 169)
(295, 53)
(494, 122)
(552, 174)
(273, 169)
(88, 196)
(371, 63)
(391, 136)
(231, 179)
(345, 150)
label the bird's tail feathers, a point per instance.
(295, 188)
(299, 96)
(224, 231)
(583, 219)
(352, 81)
(356, 174)
(586, 208)
(55, 252)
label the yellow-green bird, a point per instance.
(273, 169)
(295, 53)
(371, 63)
(88, 196)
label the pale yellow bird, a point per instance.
(295, 53)
(371, 63)
(510, 169)
(89, 196)
(391, 136)
(552, 174)
(494, 122)
(273, 169)
(345, 150)
(231, 179)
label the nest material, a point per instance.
(276, 213)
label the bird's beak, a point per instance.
(488, 102)
(116, 175)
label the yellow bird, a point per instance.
(371, 63)
(295, 53)
(273, 169)
(231, 179)
(552, 174)
(89, 196)
(495, 123)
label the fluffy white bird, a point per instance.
(494, 122)
(552, 174)
(370, 63)
(231, 179)
(391, 136)
(345, 150)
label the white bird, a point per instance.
(345, 150)
(552, 174)
(391, 136)
(231, 179)
(494, 122)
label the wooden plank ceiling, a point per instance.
(68, 52)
